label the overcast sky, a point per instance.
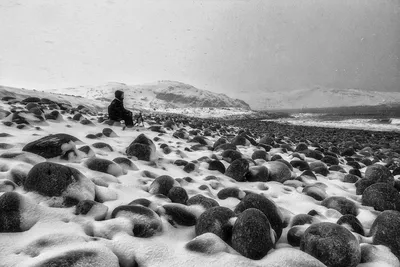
(218, 45)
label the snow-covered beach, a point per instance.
(188, 192)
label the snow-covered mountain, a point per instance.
(317, 98)
(159, 95)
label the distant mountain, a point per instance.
(318, 98)
(159, 95)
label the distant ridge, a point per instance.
(317, 98)
(162, 94)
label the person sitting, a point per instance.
(117, 111)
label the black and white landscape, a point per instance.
(271, 133)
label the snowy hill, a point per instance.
(317, 98)
(159, 95)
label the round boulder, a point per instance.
(251, 234)
(332, 244)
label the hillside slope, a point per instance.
(159, 95)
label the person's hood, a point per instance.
(119, 95)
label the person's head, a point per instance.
(119, 95)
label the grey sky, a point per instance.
(223, 46)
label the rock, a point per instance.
(231, 155)
(321, 170)
(295, 234)
(217, 165)
(330, 160)
(231, 192)
(355, 172)
(109, 132)
(52, 146)
(142, 148)
(257, 174)
(17, 213)
(205, 202)
(266, 206)
(216, 220)
(385, 231)
(350, 178)
(240, 141)
(379, 174)
(126, 163)
(301, 219)
(103, 146)
(381, 196)
(361, 185)
(278, 171)
(178, 194)
(190, 167)
(146, 221)
(162, 185)
(315, 192)
(208, 243)
(238, 169)
(179, 214)
(104, 165)
(341, 204)
(251, 234)
(351, 223)
(56, 180)
(260, 154)
(332, 244)
(91, 208)
(300, 164)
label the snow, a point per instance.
(65, 232)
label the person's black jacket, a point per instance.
(117, 111)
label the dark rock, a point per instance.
(260, 154)
(230, 155)
(295, 234)
(278, 171)
(330, 160)
(104, 146)
(146, 221)
(257, 174)
(341, 204)
(190, 167)
(379, 174)
(266, 206)
(238, 169)
(178, 194)
(251, 234)
(52, 145)
(355, 172)
(199, 199)
(52, 179)
(217, 165)
(104, 165)
(216, 220)
(162, 185)
(352, 222)
(179, 214)
(361, 185)
(10, 214)
(350, 178)
(300, 164)
(231, 192)
(332, 244)
(109, 132)
(381, 196)
(315, 192)
(301, 219)
(385, 231)
(142, 148)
